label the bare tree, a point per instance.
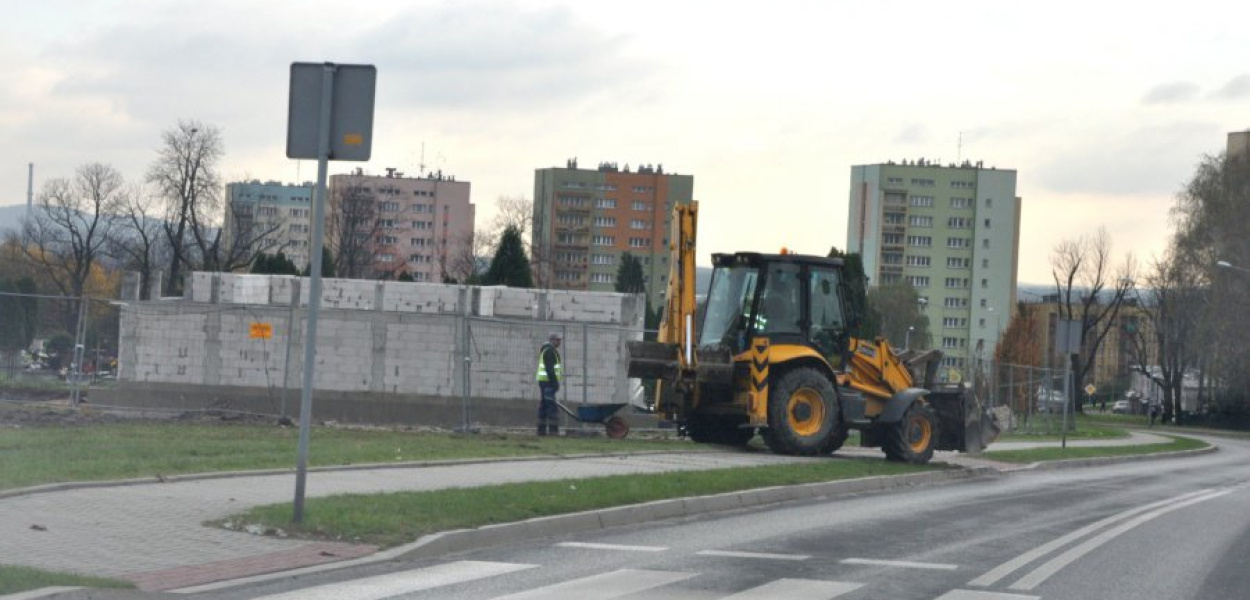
(353, 227)
(1091, 292)
(138, 237)
(1176, 297)
(468, 257)
(185, 176)
(71, 226)
(518, 212)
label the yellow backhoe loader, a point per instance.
(771, 354)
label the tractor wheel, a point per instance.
(616, 428)
(840, 433)
(912, 439)
(802, 413)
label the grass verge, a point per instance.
(398, 518)
(1041, 454)
(21, 579)
(1085, 431)
(41, 455)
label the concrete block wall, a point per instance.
(396, 338)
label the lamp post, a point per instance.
(1230, 266)
(907, 338)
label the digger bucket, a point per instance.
(965, 424)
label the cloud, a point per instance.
(1171, 93)
(912, 133)
(1236, 89)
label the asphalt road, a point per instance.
(1161, 529)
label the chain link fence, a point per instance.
(56, 346)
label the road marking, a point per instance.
(603, 586)
(971, 595)
(899, 563)
(763, 555)
(403, 582)
(796, 589)
(994, 575)
(590, 546)
(1051, 567)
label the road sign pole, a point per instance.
(314, 296)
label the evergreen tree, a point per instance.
(260, 265)
(629, 277)
(510, 266)
(327, 264)
(405, 276)
(282, 265)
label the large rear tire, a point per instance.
(840, 433)
(802, 413)
(913, 439)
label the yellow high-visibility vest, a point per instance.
(542, 370)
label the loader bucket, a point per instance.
(964, 423)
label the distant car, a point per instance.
(1120, 407)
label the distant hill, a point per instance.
(11, 217)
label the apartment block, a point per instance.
(419, 225)
(953, 233)
(272, 216)
(585, 220)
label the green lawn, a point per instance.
(20, 579)
(398, 518)
(1084, 431)
(33, 456)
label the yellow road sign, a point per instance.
(261, 331)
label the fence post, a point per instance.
(467, 362)
(290, 340)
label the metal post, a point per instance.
(1067, 383)
(290, 339)
(585, 369)
(314, 300)
(466, 373)
(80, 340)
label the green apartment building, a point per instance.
(586, 219)
(953, 233)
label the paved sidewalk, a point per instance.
(151, 534)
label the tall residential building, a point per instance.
(953, 233)
(272, 216)
(419, 225)
(586, 219)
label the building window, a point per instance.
(919, 241)
(918, 281)
(923, 182)
(639, 224)
(605, 221)
(917, 261)
(893, 218)
(388, 239)
(640, 205)
(950, 342)
(985, 263)
(962, 185)
(985, 244)
(603, 240)
(605, 203)
(920, 221)
(957, 202)
(985, 284)
(958, 263)
(892, 239)
(987, 223)
(602, 259)
(958, 223)
(956, 282)
(890, 278)
(983, 303)
(573, 201)
(956, 303)
(388, 206)
(989, 203)
(958, 243)
(954, 323)
(895, 199)
(386, 258)
(892, 258)
(568, 219)
(639, 242)
(894, 181)
(601, 278)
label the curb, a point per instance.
(1074, 463)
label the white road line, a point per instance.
(994, 575)
(971, 595)
(796, 589)
(394, 584)
(763, 555)
(602, 587)
(1052, 566)
(590, 546)
(900, 563)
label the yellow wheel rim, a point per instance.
(806, 411)
(919, 433)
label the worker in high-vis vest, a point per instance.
(550, 374)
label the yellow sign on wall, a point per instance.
(262, 331)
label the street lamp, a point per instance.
(907, 338)
(1227, 265)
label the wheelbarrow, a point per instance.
(603, 414)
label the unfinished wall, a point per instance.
(406, 339)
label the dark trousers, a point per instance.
(548, 415)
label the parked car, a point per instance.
(1121, 407)
(1052, 401)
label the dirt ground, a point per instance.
(58, 412)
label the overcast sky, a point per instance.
(1104, 112)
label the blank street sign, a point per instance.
(351, 119)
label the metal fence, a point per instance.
(56, 345)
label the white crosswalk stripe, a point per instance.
(403, 582)
(796, 589)
(971, 595)
(602, 587)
